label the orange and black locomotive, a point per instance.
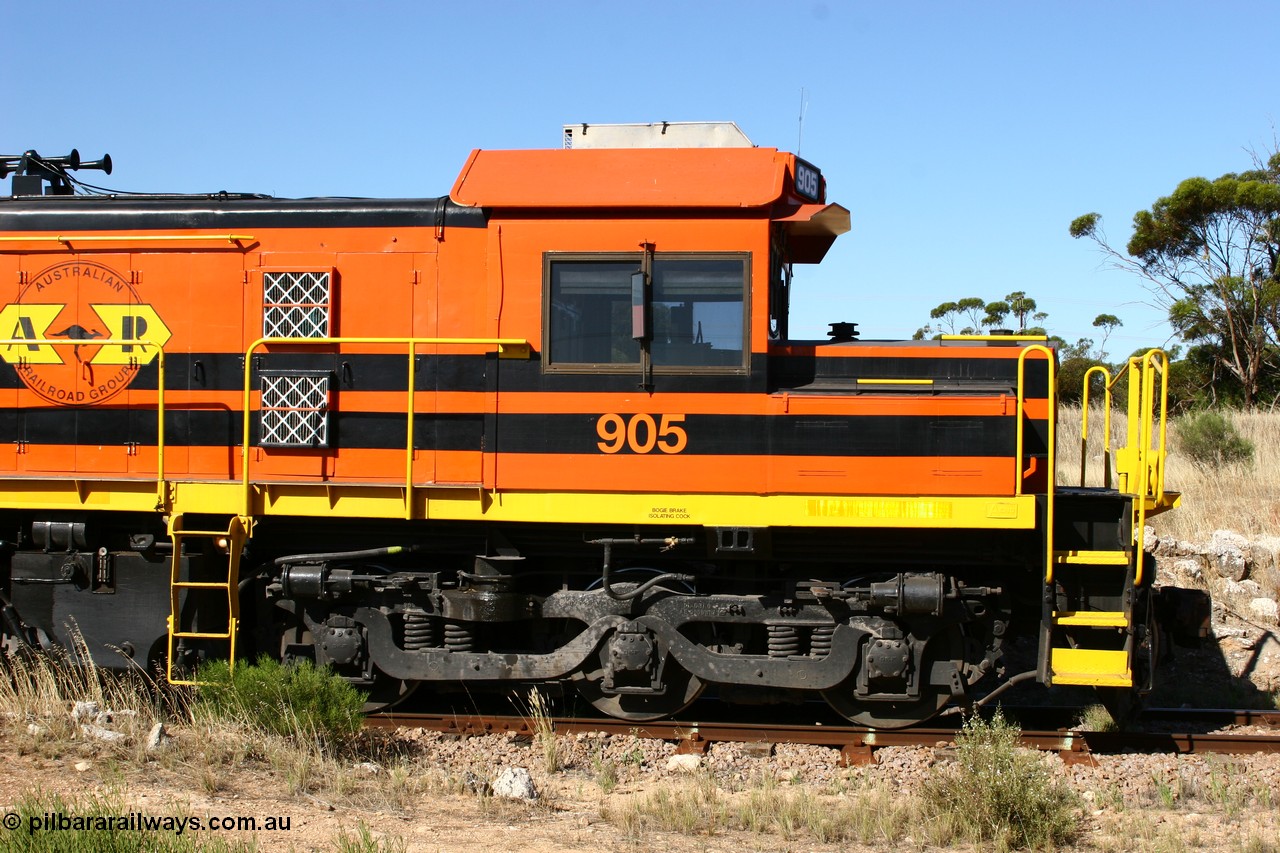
(547, 429)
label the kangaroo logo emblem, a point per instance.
(86, 302)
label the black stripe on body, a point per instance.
(708, 435)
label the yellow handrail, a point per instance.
(1139, 465)
(161, 493)
(1106, 423)
(993, 337)
(1149, 462)
(126, 238)
(1051, 443)
(518, 345)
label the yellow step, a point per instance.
(1092, 618)
(1093, 667)
(1092, 558)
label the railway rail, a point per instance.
(858, 744)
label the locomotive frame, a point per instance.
(545, 430)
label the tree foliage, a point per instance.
(1108, 323)
(1210, 252)
(973, 315)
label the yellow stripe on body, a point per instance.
(470, 503)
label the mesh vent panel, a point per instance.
(295, 304)
(295, 410)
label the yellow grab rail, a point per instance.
(1148, 462)
(512, 347)
(1140, 463)
(1050, 442)
(1107, 382)
(161, 492)
(127, 238)
(1014, 338)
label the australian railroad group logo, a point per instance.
(52, 329)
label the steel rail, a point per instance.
(857, 744)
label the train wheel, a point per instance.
(943, 647)
(387, 692)
(682, 689)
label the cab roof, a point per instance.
(624, 177)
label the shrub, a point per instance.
(998, 792)
(1210, 440)
(299, 700)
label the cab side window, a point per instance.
(698, 313)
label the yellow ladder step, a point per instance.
(201, 585)
(1092, 558)
(1093, 667)
(197, 635)
(1092, 618)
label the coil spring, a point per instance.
(820, 641)
(784, 641)
(458, 637)
(419, 633)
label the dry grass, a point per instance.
(875, 815)
(544, 733)
(1245, 498)
(38, 692)
(214, 753)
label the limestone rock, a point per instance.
(82, 711)
(99, 733)
(1266, 609)
(683, 763)
(158, 738)
(1193, 566)
(475, 785)
(515, 783)
(1226, 552)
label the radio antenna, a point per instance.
(804, 105)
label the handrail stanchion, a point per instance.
(408, 431)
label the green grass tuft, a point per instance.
(998, 792)
(298, 701)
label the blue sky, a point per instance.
(964, 137)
